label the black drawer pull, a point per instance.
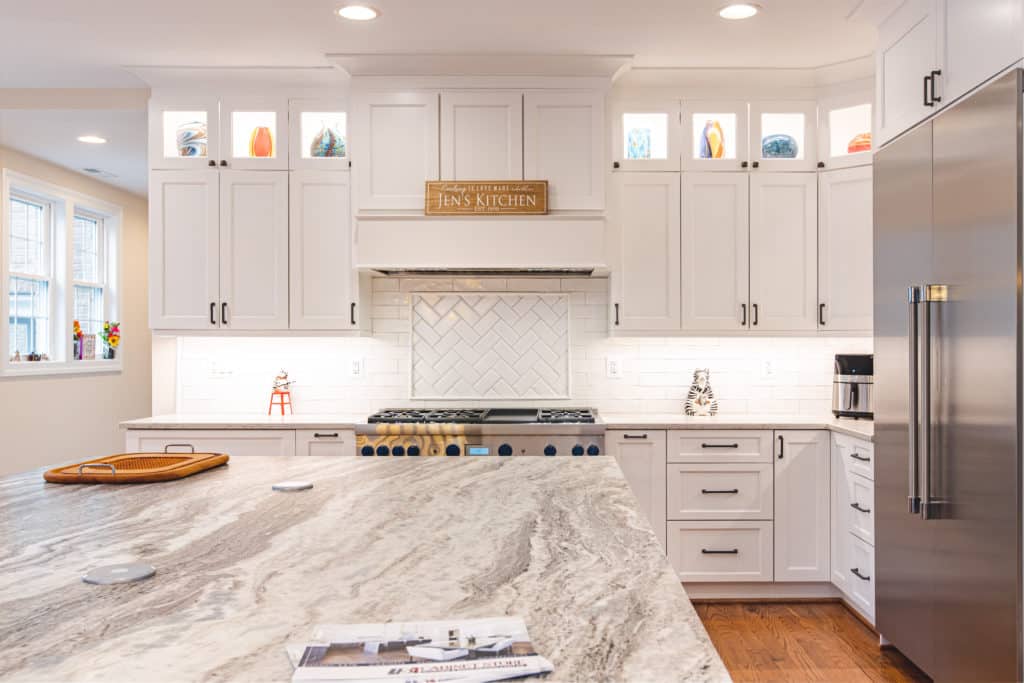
(856, 572)
(719, 445)
(734, 551)
(859, 457)
(318, 435)
(634, 436)
(707, 491)
(858, 508)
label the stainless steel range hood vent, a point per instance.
(485, 272)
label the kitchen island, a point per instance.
(243, 570)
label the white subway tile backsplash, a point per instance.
(234, 375)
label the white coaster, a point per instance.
(119, 573)
(292, 486)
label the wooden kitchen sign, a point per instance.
(489, 197)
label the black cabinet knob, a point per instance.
(743, 164)
(821, 164)
(223, 162)
(550, 450)
(212, 163)
(756, 164)
(367, 450)
(615, 164)
(414, 450)
(592, 449)
(504, 449)
(453, 449)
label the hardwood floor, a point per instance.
(796, 642)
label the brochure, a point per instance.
(477, 650)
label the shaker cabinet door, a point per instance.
(802, 505)
(641, 456)
(563, 143)
(845, 250)
(907, 53)
(481, 136)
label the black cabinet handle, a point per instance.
(634, 436)
(859, 457)
(858, 508)
(223, 162)
(743, 164)
(734, 551)
(821, 314)
(856, 572)
(756, 164)
(927, 90)
(212, 163)
(352, 313)
(754, 306)
(934, 74)
(782, 447)
(710, 491)
(318, 435)
(224, 313)
(743, 307)
(616, 314)
(213, 313)
(615, 164)
(821, 164)
(719, 445)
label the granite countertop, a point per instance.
(242, 570)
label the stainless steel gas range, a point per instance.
(482, 431)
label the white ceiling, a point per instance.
(51, 135)
(70, 43)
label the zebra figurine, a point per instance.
(701, 399)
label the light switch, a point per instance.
(613, 367)
(357, 368)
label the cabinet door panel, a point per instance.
(184, 133)
(253, 126)
(481, 136)
(839, 528)
(802, 506)
(183, 250)
(845, 250)
(721, 551)
(641, 456)
(233, 442)
(325, 442)
(716, 492)
(647, 282)
(965, 65)
(320, 237)
(563, 143)
(907, 52)
(783, 251)
(254, 250)
(715, 253)
(396, 149)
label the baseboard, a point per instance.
(761, 592)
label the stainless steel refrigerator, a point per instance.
(947, 224)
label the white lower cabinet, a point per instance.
(721, 551)
(233, 442)
(725, 491)
(861, 575)
(853, 522)
(641, 456)
(801, 505)
(325, 442)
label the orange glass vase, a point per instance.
(261, 142)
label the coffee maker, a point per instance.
(852, 386)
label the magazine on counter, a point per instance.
(477, 650)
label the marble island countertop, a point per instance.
(242, 570)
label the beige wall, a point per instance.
(55, 419)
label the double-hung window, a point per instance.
(30, 274)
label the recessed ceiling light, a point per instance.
(358, 12)
(740, 10)
(92, 139)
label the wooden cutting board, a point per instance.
(135, 468)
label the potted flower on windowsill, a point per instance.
(76, 337)
(111, 337)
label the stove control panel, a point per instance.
(458, 445)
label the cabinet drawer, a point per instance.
(721, 551)
(858, 456)
(236, 442)
(862, 508)
(325, 442)
(860, 581)
(726, 491)
(715, 446)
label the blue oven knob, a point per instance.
(577, 450)
(453, 449)
(367, 450)
(592, 449)
(504, 449)
(550, 450)
(414, 450)
(382, 450)
(398, 450)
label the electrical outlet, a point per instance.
(357, 368)
(613, 367)
(768, 369)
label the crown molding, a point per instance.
(465, 64)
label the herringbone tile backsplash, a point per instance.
(463, 334)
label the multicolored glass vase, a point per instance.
(638, 143)
(860, 143)
(327, 143)
(779, 146)
(261, 142)
(712, 141)
(191, 139)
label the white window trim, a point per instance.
(64, 204)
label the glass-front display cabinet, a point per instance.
(647, 136)
(184, 133)
(254, 133)
(844, 138)
(319, 134)
(783, 135)
(715, 135)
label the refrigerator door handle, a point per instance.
(914, 496)
(932, 294)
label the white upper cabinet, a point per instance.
(978, 39)
(184, 133)
(907, 55)
(481, 135)
(322, 290)
(783, 251)
(844, 131)
(715, 135)
(845, 250)
(184, 247)
(647, 280)
(646, 136)
(563, 143)
(318, 138)
(254, 250)
(715, 254)
(397, 150)
(783, 135)
(802, 505)
(254, 133)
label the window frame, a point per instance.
(63, 205)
